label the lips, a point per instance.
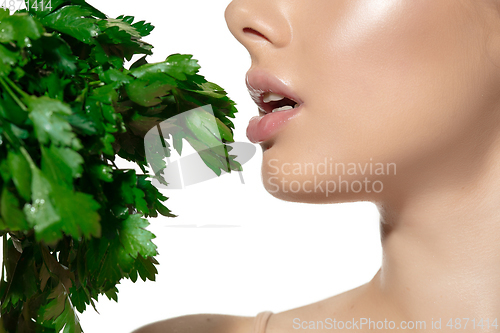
(259, 82)
(260, 86)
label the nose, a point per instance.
(257, 23)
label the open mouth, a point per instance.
(275, 111)
(270, 94)
(272, 102)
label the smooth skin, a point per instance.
(410, 82)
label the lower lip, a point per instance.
(263, 128)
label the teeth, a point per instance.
(283, 108)
(271, 97)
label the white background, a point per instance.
(273, 255)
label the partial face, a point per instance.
(394, 91)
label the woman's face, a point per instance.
(406, 87)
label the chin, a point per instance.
(308, 177)
(315, 189)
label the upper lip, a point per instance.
(259, 82)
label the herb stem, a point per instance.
(16, 88)
(11, 93)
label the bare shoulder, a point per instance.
(340, 306)
(201, 323)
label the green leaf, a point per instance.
(68, 320)
(20, 29)
(20, 272)
(112, 294)
(102, 172)
(11, 111)
(78, 212)
(146, 268)
(135, 238)
(163, 210)
(153, 198)
(140, 125)
(147, 93)
(21, 173)
(143, 28)
(71, 20)
(56, 209)
(41, 8)
(176, 65)
(107, 142)
(129, 19)
(54, 85)
(204, 127)
(50, 125)
(225, 132)
(54, 308)
(13, 216)
(108, 263)
(41, 213)
(7, 60)
(80, 298)
(82, 123)
(119, 31)
(120, 212)
(4, 12)
(177, 141)
(19, 132)
(214, 157)
(104, 55)
(115, 78)
(126, 182)
(61, 165)
(61, 311)
(58, 53)
(111, 259)
(44, 7)
(119, 37)
(105, 94)
(140, 204)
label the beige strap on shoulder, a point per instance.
(260, 322)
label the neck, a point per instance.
(441, 245)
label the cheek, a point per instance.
(396, 90)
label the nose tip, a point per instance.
(253, 22)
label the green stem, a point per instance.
(27, 156)
(16, 88)
(83, 96)
(11, 93)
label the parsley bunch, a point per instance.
(73, 223)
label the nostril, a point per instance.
(254, 32)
